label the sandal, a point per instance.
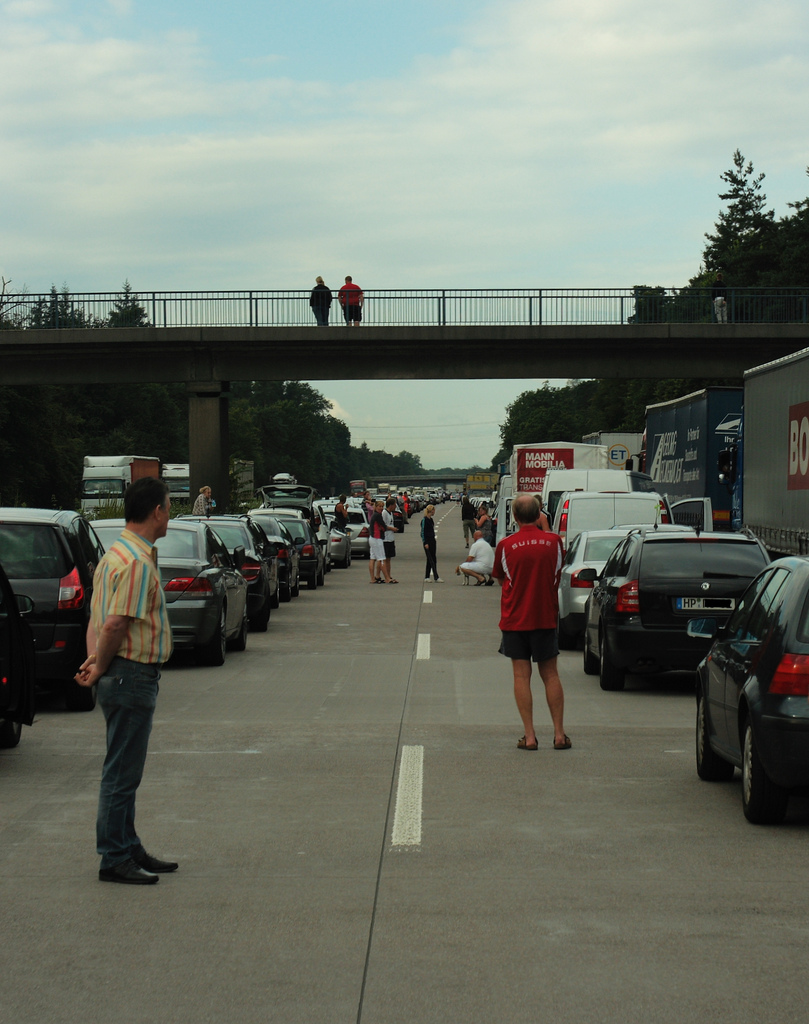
(393, 581)
(564, 745)
(522, 745)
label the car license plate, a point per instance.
(701, 604)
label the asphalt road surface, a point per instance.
(361, 841)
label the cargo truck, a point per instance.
(683, 440)
(177, 476)
(106, 477)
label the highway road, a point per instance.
(361, 841)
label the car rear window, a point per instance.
(689, 557)
(32, 551)
(231, 534)
(297, 528)
(599, 549)
(179, 544)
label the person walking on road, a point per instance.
(428, 541)
(320, 301)
(527, 565)
(128, 640)
(352, 299)
(467, 519)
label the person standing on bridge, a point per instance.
(719, 294)
(527, 565)
(351, 299)
(320, 301)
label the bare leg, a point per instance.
(524, 698)
(371, 567)
(555, 697)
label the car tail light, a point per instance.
(71, 591)
(282, 553)
(363, 532)
(628, 599)
(664, 514)
(792, 676)
(250, 570)
(563, 523)
(575, 582)
(316, 521)
(337, 540)
(308, 550)
(191, 586)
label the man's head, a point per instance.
(342, 498)
(525, 509)
(477, 535)
(348, 279)
(146, 507)
(390, 503)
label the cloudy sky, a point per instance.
(431, 143)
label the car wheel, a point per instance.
(239, 642)
(763, 802)
(261, 621)
(80, 698)
(611, 677)
(320, 579)
(710, 767)
(311, 583)
(275, 599)
(213, 653)
(567, 640)
(10, 733)
(296, 589)
(590, 660)
(347, 562)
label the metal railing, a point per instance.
(426, 307)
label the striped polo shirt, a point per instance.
(127, 582)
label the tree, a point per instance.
(127, 310)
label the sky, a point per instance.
(511, 143)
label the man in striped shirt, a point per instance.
(128, 640)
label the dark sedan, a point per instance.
(51, 556)
(312, 560)
(206, 595)
(650, 586)
(283, 545)
(17, 674)
(753, 692)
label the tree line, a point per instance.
(750, 247)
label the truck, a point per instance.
(623, 446)
(768, 466)
(106, 477)
(683, 440)
(178, 477)
(481, 485)
(356, 488)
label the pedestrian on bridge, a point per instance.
(527, 565)
(719, 294)
(352, 300)
(320, 301)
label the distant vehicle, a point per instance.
(650, 586)
(312, 559)
(357, 488)
(17, 671)
(284, 478)
(752, 690)
(106, 477)
(598, 510)
(177, 476)
(290, 496)
(557, 481)
(51, 556)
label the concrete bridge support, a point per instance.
(209, 439)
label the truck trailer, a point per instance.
(106, 477)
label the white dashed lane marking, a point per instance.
(407, 816)
(423, 647)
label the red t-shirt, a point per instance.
(529, 563)
(350, 294)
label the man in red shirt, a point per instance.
(527, 565)
(351, 299)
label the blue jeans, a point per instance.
(127, 695)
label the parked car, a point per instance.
(51, 556)
(291, 496)
(206, 595)
(590, 550)
(286, 552)
(752, 690)
(598, 510)
(259, 567)
(339, 543)
(359, 532)
(312, 563)
(650, 586)
(17, 672)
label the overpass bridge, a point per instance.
(205, 340)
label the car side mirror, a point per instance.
(588, 575)
(703, 629)
(239, 556)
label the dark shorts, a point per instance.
(529, 645)
(390, 548)
(353, 313)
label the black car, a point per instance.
(753, 690)
(259, 565)
(51, 556)
(650, 586)
(17, 674)
(312, 560)
(282, 544)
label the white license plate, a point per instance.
(701, 604)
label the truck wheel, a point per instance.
(763, 802)
(611, 677)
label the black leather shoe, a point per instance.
(150, 863)
(129, 873)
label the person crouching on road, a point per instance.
(479, 562)
(376, 543)
(527, 565)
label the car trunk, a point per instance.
(36, 561)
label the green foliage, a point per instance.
(127, 310)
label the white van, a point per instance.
(557, 481)
(578, 511)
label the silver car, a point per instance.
(589, 550)
(206, 596)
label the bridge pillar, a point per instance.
(209, 440)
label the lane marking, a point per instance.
(407, 816)
(423, 647)
(428, 597)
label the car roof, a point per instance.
(36, 515)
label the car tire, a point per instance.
(296, 589)
(261, 621)
(763, 802)
(10, 733)
(275, 598)
(320, 579)
(710, 766)
(567, 640)
(311, 583)
(80, 698)
(590, 661)
(213, 653)
(610, 675)
(239, 642)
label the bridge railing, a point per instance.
(406, 307)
